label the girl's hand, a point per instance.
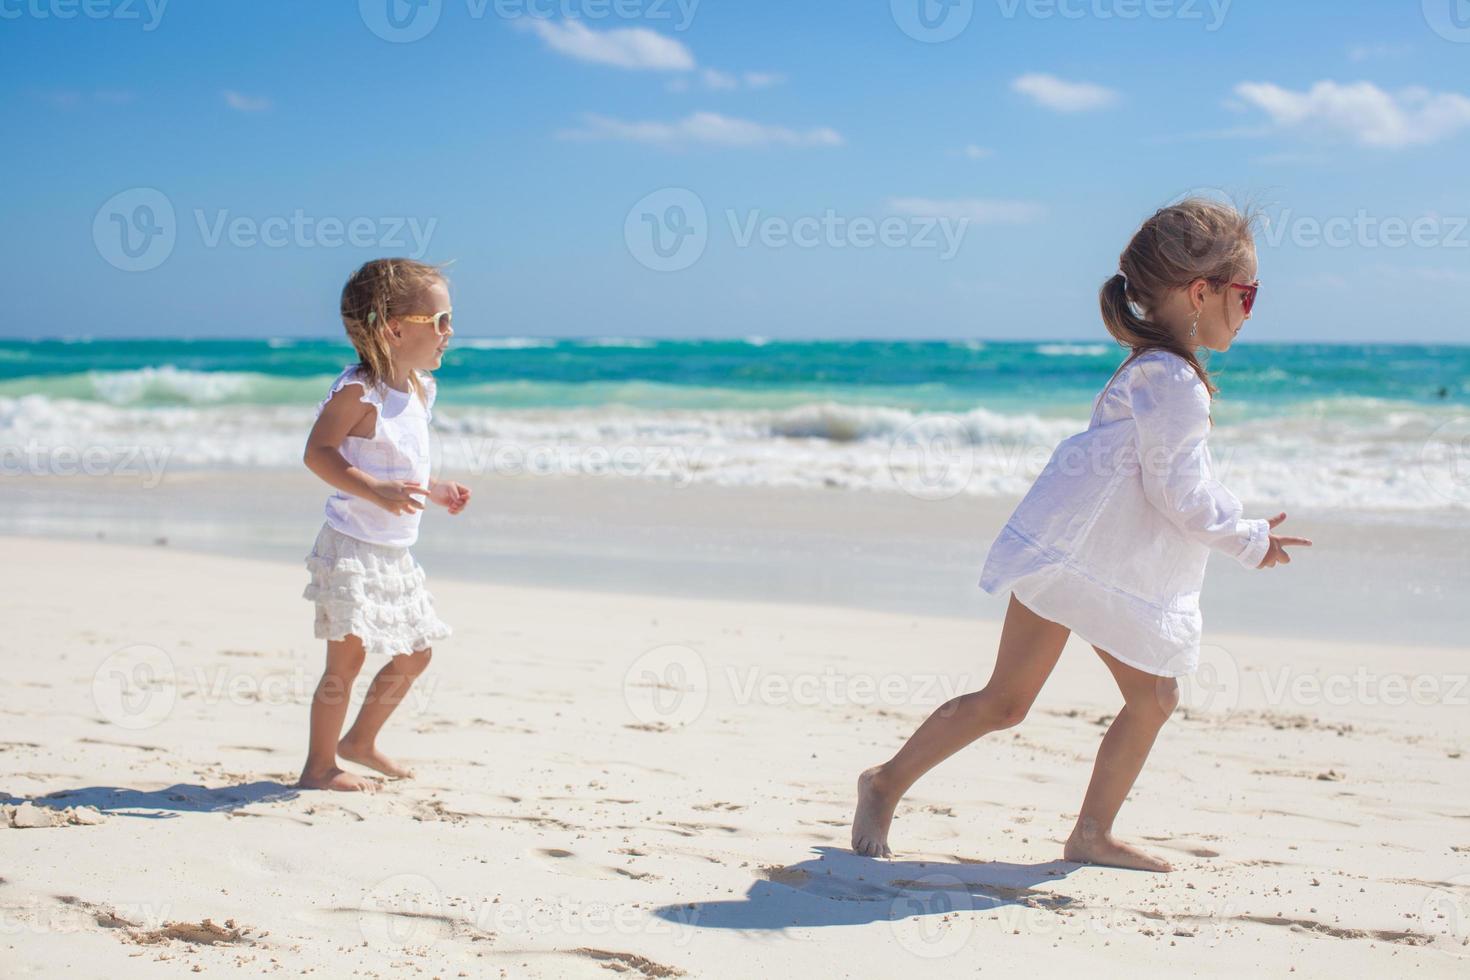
(1276, 553)
(450, 495)
(398, 496)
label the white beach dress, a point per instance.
(364, 581)
(1113, 538)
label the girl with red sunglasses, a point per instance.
(1112, 539)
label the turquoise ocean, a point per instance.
(1358, 427)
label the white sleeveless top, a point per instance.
(398, 450)
(1112, 539)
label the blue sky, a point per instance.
(829, 146)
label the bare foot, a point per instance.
(335, 778)
(370, 756)
(1106, 850)
(874, 815)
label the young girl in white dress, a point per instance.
(1112, 539)
(371, 443)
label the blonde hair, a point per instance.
(376, 292)
(1196, 238)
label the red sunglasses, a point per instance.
(1248, 291)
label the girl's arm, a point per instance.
(1171, 407)
(341, 414)
(449, 494)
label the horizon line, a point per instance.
(750, 339)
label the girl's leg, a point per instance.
(1029, 649)
(1148, 703)
(328, 712)
(387, 692)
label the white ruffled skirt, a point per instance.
(372, 591)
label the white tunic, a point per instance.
(1112, 539)
(397, 450)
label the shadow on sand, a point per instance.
(180, 798)
(839, 888)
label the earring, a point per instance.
(1194, 326)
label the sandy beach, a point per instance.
(661, 785)
(723, 341)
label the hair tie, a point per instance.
(372, 315)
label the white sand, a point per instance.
(571, 800)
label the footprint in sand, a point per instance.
(263, 864)
(620, 962)
(566, 862)
(1196, 850)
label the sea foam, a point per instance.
(1324, 455)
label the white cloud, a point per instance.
(1362, 112)
(641, 49)
(701, 128)
(974, 152)
(1064, 96)
(245, 103)
(636, 48)
(980, 211)
(763, 79)
(724, 81)
(719, 80)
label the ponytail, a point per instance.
(1139, 334)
